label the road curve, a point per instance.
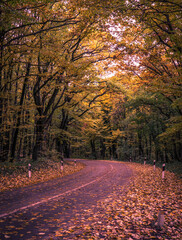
(36, 211)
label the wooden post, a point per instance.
(154, 165)
(145, 160)
(29, 170)
(75, 162)
(62, 165)
(163, 170)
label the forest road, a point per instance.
(37, 211)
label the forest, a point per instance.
(91, 79)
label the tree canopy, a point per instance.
(99, 79)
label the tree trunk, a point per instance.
(113, 149)
(66, 149)
(94, 154)
(39, 133)
(3, 153)
(103, 149)
(140, 144)
(16, 130)
(4, 146)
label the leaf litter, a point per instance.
(46, 170)
(132, 212)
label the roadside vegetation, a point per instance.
(14, 175)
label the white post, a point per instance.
(163, 170)
(154, 165)
(29, 170)
(62, 166)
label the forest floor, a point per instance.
(15, 175)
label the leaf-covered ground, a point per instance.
(132, 212)
(129, 213)
(16, 175)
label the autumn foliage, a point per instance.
(97, 79)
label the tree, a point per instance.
(98, 75)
